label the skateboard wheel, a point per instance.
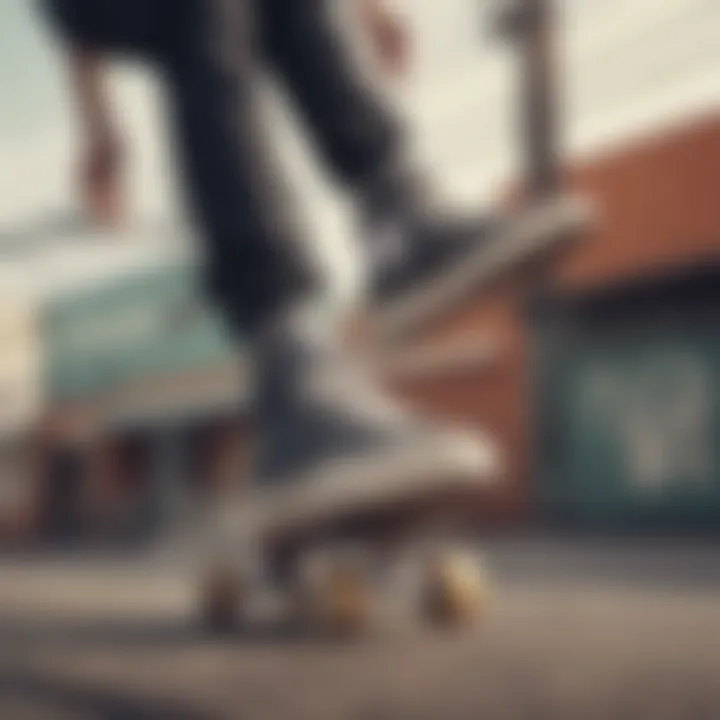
(455, 590)
(338, 601)
(220, 599)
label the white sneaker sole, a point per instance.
(361, 485)
(533, 233)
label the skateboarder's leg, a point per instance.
(255, 249)
(313, 410)
(258, 257)
(352, 125)
(321, 425)
(416, 246)
(132, 27)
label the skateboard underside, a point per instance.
(348, 574)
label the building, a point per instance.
(143, 384)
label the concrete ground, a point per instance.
(588, 630)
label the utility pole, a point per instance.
(530, 26)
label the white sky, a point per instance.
(627, 66)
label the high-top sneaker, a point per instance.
(423, 259)
(332, 444)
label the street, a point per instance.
(573, 630)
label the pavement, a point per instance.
(573, 629)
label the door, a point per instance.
(629, 414)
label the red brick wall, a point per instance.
(660, 205)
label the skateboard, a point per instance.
(345, 576)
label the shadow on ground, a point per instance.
(79, 700)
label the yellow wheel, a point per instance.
(455, 590)
(337, 600)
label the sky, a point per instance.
(626, 67)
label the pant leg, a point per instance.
(258, 257)
(117, 26)
(353, 127)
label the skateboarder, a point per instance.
(320, 422)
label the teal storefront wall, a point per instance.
(628, 416)
(152, 323)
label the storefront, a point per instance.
(628, 405)
(144, 384)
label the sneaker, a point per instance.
(333, 445)
(420, 269)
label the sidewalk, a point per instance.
(574, 630)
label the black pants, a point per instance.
(210, 52)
